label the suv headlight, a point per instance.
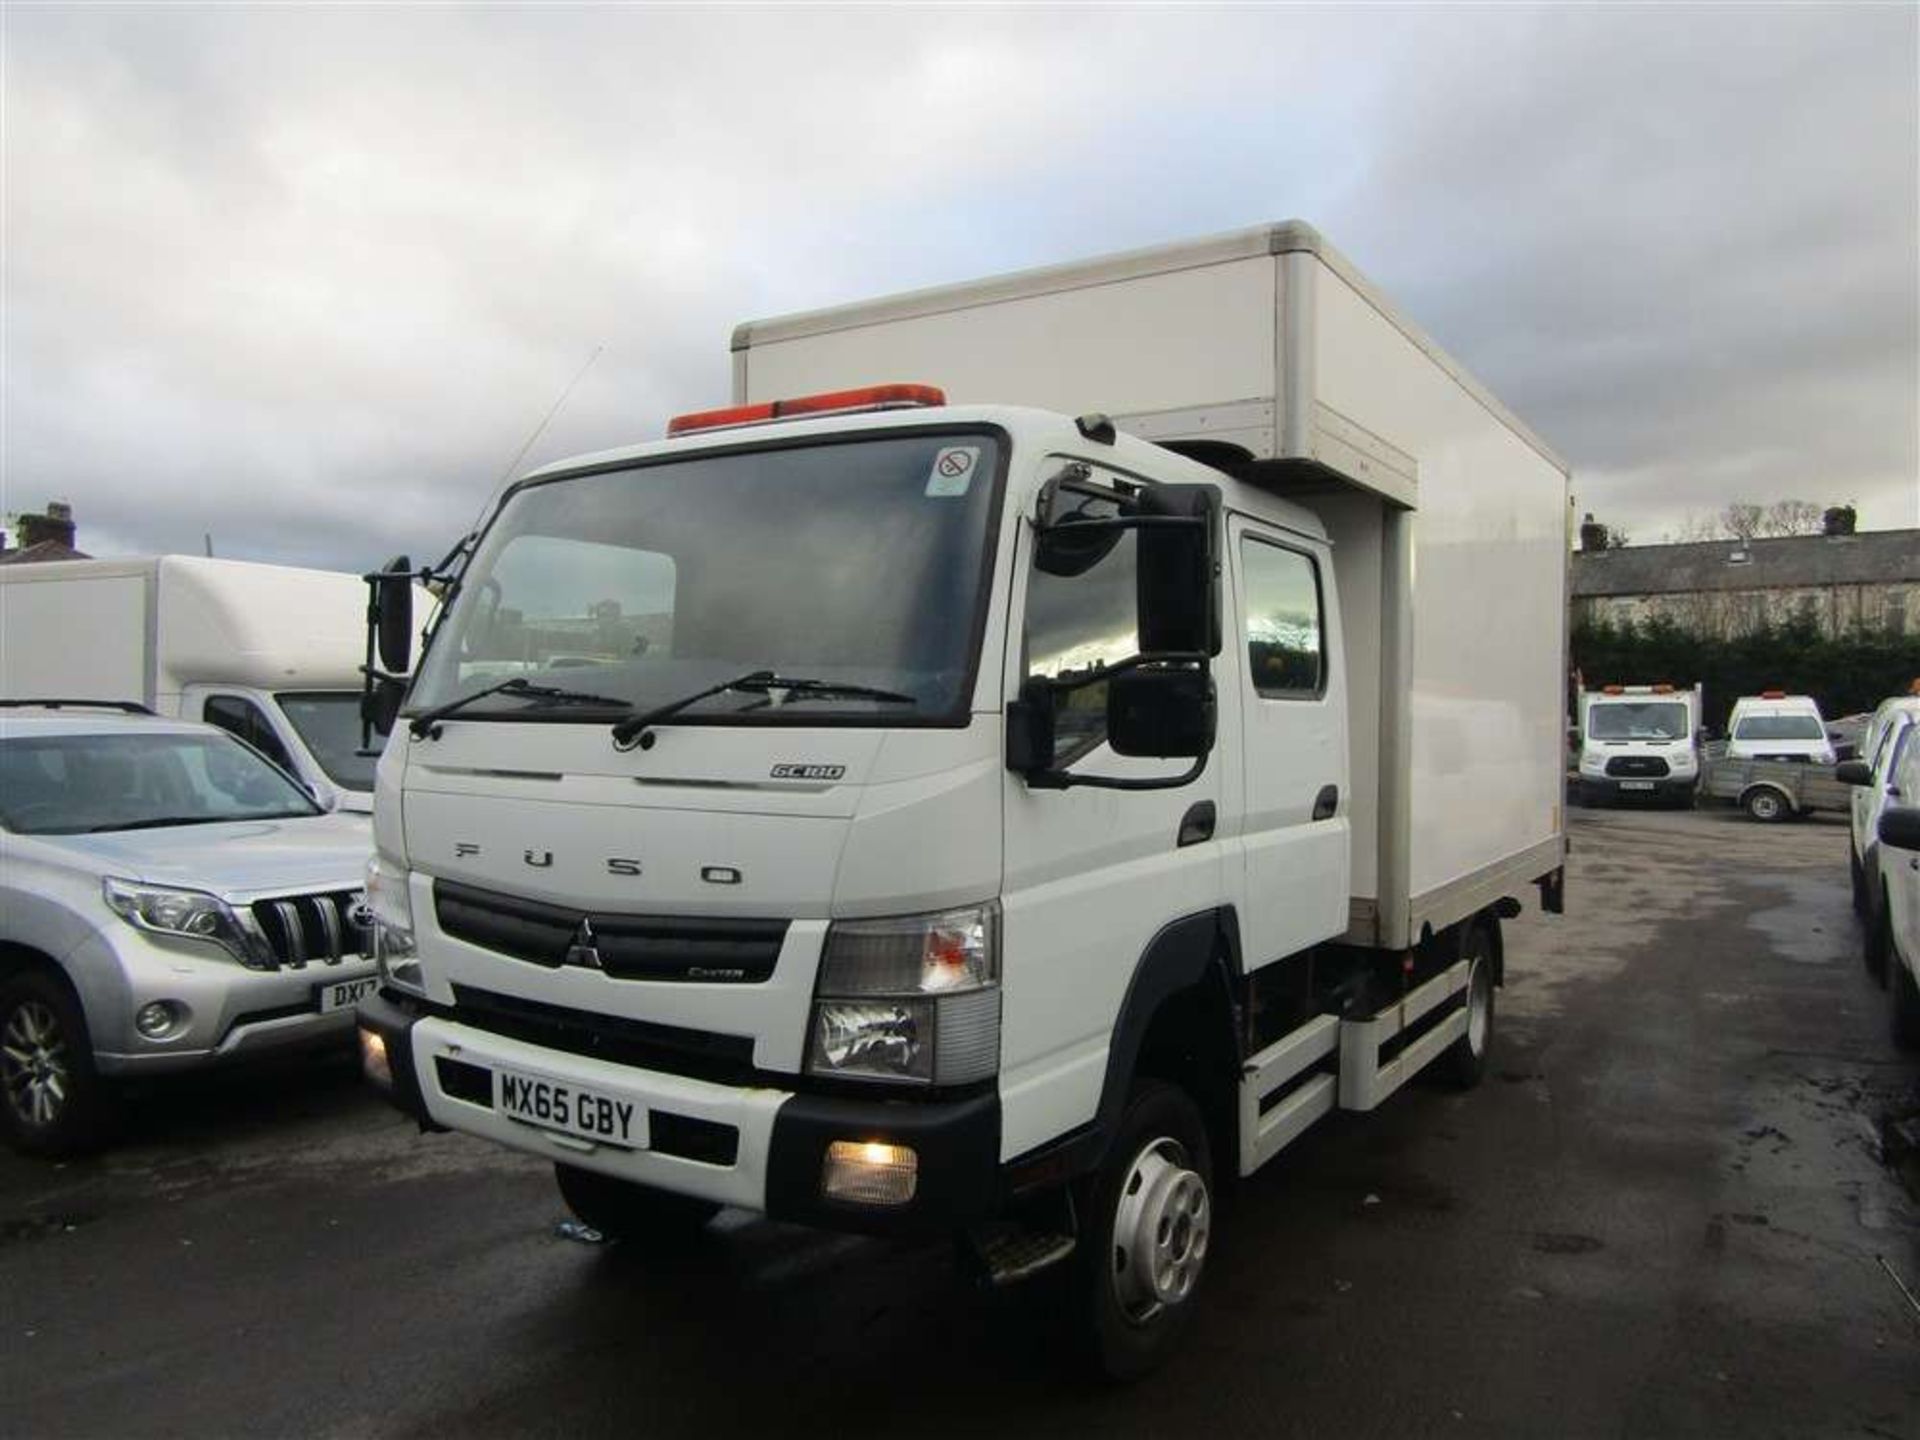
(187, 914)
(914, 998)
(390, 909)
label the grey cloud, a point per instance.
(307, 278)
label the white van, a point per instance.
(1639, 742)
(1774, 725)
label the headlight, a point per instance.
(915, 998)
(1593, 764)
(188, 914)
(391, 910)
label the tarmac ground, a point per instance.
(1662, 1214)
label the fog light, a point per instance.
(373, 1059)
(865, 1172)
(159, 1019)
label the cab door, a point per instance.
(1296, 841)
(1092, 876)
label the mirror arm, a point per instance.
(1067, 780)
(1137, 662)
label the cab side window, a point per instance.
(243, 718)
(1285, 621)
(1079, 622)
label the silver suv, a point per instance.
(168, 899)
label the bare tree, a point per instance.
(1790, 517)
(1696, 528)
(1742, 519)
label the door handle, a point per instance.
(1196, 826)
(1326, 802)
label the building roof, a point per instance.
(43, 550)
(1875, 557)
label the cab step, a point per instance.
(1011, 1252)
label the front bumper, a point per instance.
(757, 1147)
(1629, 787)
(234, 1012)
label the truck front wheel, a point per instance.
(1149, 1217)
(621, 1210)
(1767, 806)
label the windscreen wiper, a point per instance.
(425, 722)
(635, 728)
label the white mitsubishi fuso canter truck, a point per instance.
(1011, 808)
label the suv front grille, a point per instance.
(299, 929)
(624, 946)
(1641, 765)
(670, 1049)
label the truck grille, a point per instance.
(646, 1045)
(1642, 766)
(303, 928)
(626, 947)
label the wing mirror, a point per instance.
(1177, 595)
(1900, 827)
(1853, 772)
(1165, 714)
(393, 606)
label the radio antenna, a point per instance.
(538, 430)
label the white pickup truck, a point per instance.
(905, 811)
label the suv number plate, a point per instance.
(1636, 784)
(344, 994)
(570, 1109)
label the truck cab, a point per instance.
(1639, 742)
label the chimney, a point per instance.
(1838, 520)
(56, 525)
(1593, 535)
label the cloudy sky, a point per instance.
(307, 278)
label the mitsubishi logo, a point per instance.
(583, 951)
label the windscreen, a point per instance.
(1636, 720)
(1779, 727)
(74, 784)
(329, 724)
(856, 562)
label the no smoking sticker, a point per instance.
(953, 469)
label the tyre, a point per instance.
(54, 1101)
(621, 1210)
(1879, 944)
(1859, 875)
(1147, 1219)
(1906, 1003)
(1464, 1063)
(1767, 806)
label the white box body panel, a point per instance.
(1269, 341)
(146, 629)
(1184, 338)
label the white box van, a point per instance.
(269, 652)
(920, 811)
(1774, 725)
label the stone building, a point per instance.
(43, 537)
(1725, 588)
